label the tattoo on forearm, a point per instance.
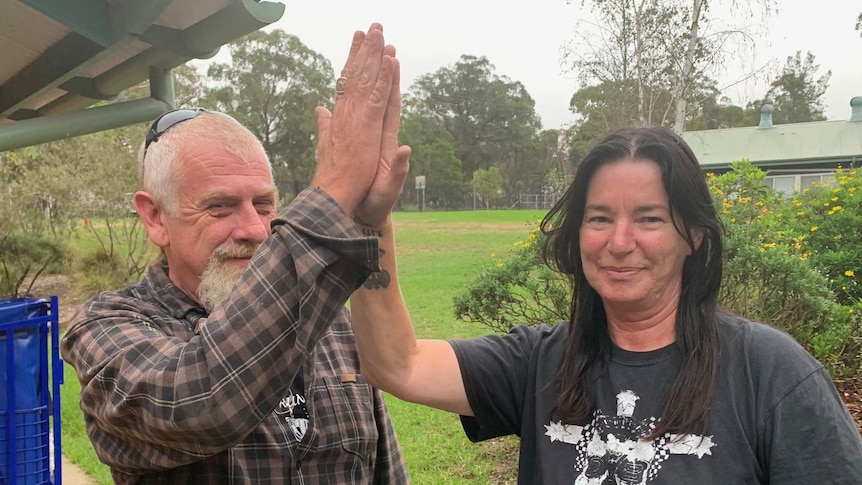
(368, 230)
(379, 279)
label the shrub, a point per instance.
(99, 271)
(22, 259)
(827, 222)
(514, 290)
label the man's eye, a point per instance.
(218, 210)
(265, 207)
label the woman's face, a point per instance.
(631, 252)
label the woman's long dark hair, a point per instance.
(588, 341)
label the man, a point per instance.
(234, 361)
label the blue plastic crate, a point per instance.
(27, 409)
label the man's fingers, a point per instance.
(369, 60)
(358, 37)
(382, 88)
(324, 119)
(362, 66)
(353, 63)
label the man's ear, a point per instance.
(151, 215)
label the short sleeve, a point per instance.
(811, 437)
(497, 371)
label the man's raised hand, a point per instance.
(350, 137)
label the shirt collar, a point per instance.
(169, 296)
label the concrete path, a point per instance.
(73, 475)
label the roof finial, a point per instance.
(766, 116)
(856, 108)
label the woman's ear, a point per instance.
(697, 238)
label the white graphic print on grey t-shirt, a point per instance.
(610, 450)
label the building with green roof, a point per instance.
(794, 155)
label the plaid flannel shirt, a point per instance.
(171, 395)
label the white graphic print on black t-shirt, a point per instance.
(610, 451)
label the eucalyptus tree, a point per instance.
(797, 93)
(490, 118)
(272, 84)
(661, 52)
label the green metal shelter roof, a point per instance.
(782, 146)
(60, 57)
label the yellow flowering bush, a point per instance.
(790, 261)
(832, 218)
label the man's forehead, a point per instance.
(221, 193)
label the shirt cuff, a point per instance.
(316, 214)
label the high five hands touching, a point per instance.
(360, 163)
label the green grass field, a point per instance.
(438, 254)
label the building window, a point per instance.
(789, 184)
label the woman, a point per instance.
(648, 383)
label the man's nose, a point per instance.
(251, 226)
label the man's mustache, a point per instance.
(227, 251)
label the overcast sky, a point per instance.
(525, 42)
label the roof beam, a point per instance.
(86, 87)
(59, 65)
(87, 17)
(103, 22)
(203, 39)
(53, 66)
(43, 129)
(49, 128)
(117, 79)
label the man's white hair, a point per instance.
(158, 163)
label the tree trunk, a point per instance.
(683, 77)
(639, 60)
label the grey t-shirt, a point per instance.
(776, 417)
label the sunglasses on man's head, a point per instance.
(172, 118)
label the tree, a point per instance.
(490, 118)
(433, 155)
(610, 105)
(189, 86)
(56, 187)
(719, 113)
(798, 94)
(488, 183)
(859, 24)
(661, 52)
(272, 86)
(627, 51)
(687, 71)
